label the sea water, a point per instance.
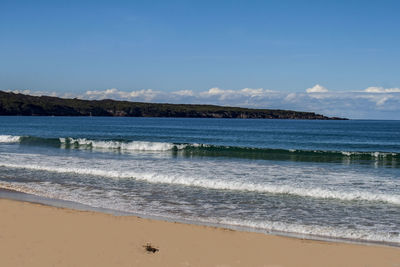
(316, 179)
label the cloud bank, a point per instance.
(370, 103)
(317, 89)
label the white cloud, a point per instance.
(317, 89)
(184, 93)
(142, 95)
(217, 91)
(33, 93)
(381, 90)
(25, 92)
(229, 94)
(147, 94)
(291, 97)
(254, 92)
(379, 99)
(383, 100)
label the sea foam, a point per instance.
(276, 227)
(301, 230)
(132, 145)
(9, 139)
(220, 184)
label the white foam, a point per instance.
(219, 184)
(334, 232)
(373, 154)
(133, 145)
(9, 139)
(82, 196)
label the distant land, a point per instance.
(27, 105)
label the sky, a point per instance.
(338, 58)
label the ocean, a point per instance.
(331, 180)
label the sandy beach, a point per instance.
(38, 235)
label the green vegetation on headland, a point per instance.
(26, 105)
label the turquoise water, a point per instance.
(328, 179)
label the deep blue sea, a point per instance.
(321, 179)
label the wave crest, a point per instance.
(119, 145)
(9, 139)
(220, 184)
(208, 150)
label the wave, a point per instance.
(291, 154)
(208, 150)
(301, 230)
(221, 184)
(83, 143)
(120, 145)
(9, 139)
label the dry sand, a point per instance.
(38, 235)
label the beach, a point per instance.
(199, 133)
(38, 235)
(210, 192)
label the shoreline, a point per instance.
(41, 235)
(37, 234)
(12, 194)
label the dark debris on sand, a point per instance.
(149, 248)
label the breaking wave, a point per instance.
(207, 150)
(220, 184)
(9, 139)
(119, 145)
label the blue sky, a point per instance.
(249, 53)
